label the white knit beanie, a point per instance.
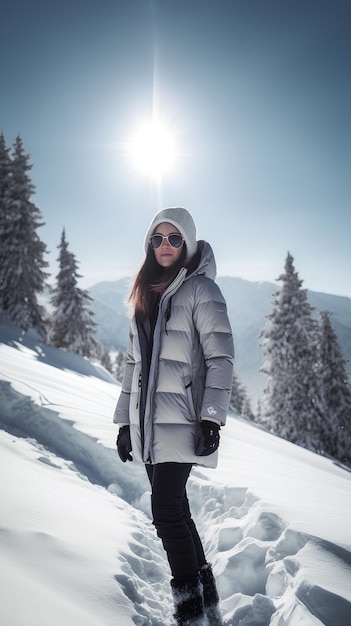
(183, 221)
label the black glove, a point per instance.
(207, 440)
(124, 444)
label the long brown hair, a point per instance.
(151, 281)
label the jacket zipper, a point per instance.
(139, 391)
(154, 361)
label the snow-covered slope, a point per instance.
(76, 539)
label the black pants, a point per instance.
(172, 518)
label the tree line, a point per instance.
(23, 275)
(307, 397)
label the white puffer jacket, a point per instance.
(191, 370)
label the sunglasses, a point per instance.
(174, 239)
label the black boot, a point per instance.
(210, 595)
(188, 602)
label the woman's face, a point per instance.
(166, 254)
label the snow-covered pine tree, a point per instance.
(335, 390)
(5, 186)
(22, 263)
(120, 365)
(239, 401)
(5, 175)
(237, 395)
(247, 410)
(290, 406)
(72, 325)
(104, 357)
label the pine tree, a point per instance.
(22, 263)
(73, 325)
(335, 390)
(103, 355)
(5, 212)
(5, 175)
(291, 404)
(120, 365)
(247, 410)
(239, 401)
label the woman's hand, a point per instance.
(207, 440)
(124, 444)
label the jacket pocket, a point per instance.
(191, 413)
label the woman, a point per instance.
(175, 394)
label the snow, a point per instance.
(76, 539)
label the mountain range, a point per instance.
(248, 304)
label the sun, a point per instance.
(152, 149)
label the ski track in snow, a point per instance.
(266, 572)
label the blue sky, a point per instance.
(256, 92)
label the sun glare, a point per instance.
(152, 149)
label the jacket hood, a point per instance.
(183, 221)
(207, 263)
